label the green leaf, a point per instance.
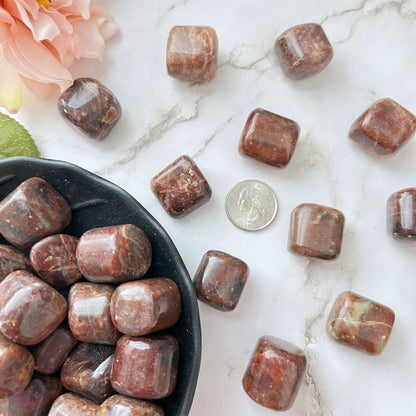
(15, 139)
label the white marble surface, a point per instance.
(286, 296)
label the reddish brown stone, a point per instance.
(118, 405)
(51, 353)
(191, 54)
(145, 367)
(11, 260)
(360, 323)
(87, 371)
(181, 187)
(145, 306)
(70, 404)
(31, 212)
(16, 367)
(383, 128)
(316, 231)
(275, 373)
(220, 279)
(89, 313)
(91, 107)
(303, 50)
(114, 254)
(30, 309)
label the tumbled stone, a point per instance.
(383, 128)
(220, 280)
(91, 107)
(145, 306)
(119, 405)
(269, 138)
(31, 212)
(316, 231)
(401, 215)
(51, 353)
(303, 50)
(114, 254)
(89, 313)
(70, 404)
(191, 53)
(275, 373)
(16, 368)
(145, 367)
(87, 371)
(360, 323)
(30, 309)
(181, 188)
(11, 260)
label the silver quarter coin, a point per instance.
(251, 205)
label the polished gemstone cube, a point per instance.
(220, 280)
(70, 404)
(269, 138)
(316, 231)
(181, 187)
(360, 323)
(191, 53)
(119, 405)
(303, 50)
(274, 374)
(383, 128)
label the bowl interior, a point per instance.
(96, 202)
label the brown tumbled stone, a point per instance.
(275, 373)
(70, 404)
(119, 405)
(220, 280)
(191, 53)
(316, 231)
(303, 50)
(11, 260)
(114, 254)
(30, 309)
(89, 313)
(360, 323)
(145, 367)
(181, 188)
(31, 212)
(87, 371)
(383, 128)
(91, 107)
(145, 306)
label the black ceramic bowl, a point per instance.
(96, 202)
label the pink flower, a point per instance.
(39, 40)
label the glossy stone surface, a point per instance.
(145, 306)
(145, 367)
(31, 212)
(35, 400)
(16, 367)
(30, 309)
(181, 187)
(191, 53)
(12, 259)
(91, 107)
(360, 323)
(114, 254)
(51, 353)
(87, 371)
(316, 231)
(401, 216)
(89, 313)
(383, 128)
(220, 280)
(274, 374)
(303, 50)
(119, 405)
(70, 404)
(54, 260)
(269, 138)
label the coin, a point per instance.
(251, 205)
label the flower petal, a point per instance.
(10, 88)
(92, 43)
